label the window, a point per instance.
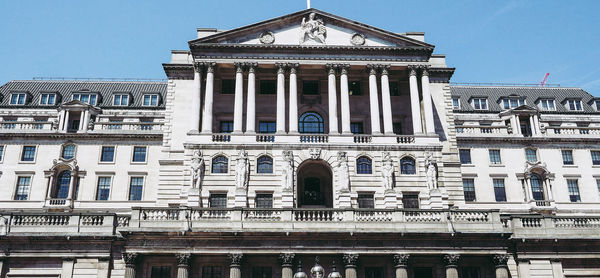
(227, 86)
(136, 188)
(103, 188)
(373, 272)
(465, 156)
(18, 99)
(139, 154)
(470, 272)
(261, 272)
(455, 103)
(499, 190)
(480, 103)
(598, 184)
(407, 166)
(121, 100)
(574, 105)
(595, 157)
(547, 104)
(597, 105)
(310, 122)
(354, 88)
(1, 153)
(160, 272)
(536, 187)
(264, 200)
(469, 190)
(310, 87)
(267, 127)
(217, 200)
(28, 153)
(23, 184)
(116, 123)
(394, 89)
(573, 187)
(356, 128)
(531, 155)
(40, 122)
(86, 98)
(366, 201)
(108, 154)
(68, 151)
(146, 123)
(212, 272)
(495, 157)
(150, 100)
(508, 103)
(226, 127)
(397, 128)
(48, 99)
(567, 156)
(9, 123)
(364, 165)
(219, 165)
(268, 87)
(410, 200)
(63, 184)
(264, 165)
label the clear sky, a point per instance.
(487, 41)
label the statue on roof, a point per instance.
(312, 28)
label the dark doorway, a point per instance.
(525, 126)
(314, 185)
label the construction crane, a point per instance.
(543, 83)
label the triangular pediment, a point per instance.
(523, 109)
(311, 27)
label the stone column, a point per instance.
(451, 262)
(251, 105)
(345, 99)
(238, 102)
(427, 103)
(66, 123)
(373, 99)
(386, 102)
(208, 98)
(350, 261)
(280, 98)
(81, 120)
(86, 120)
(67, 268)
(523, 268)
(1, 266)
(501, 267)
(332, 98)
(557, 268)
(72, 184)
(196, 99)
(518, 121)
(415, 106)
(286, 260)
(401, 265)
(183, 264)
(103, 267)
(293, 113)
(130, 260)
(235, 260)
(61, 120)
(532, 126)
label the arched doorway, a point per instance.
(314, 185)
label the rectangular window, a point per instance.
(146, 123)
(397, 128)
(567, 156)
(86, 98)
(264, 200)
(136, 188)
(150, 100)
(8, 123)
(495, 157)
(470, 272)
(121, 100)
(261, 272)
(598, 184)
(465, 156)
(268, 87)
(227, 86)
(1, 153)
(226, 127)
(410, 200)
(394, 89)
(28, 153)
(266, 127)
(160, 272)
(574, 105)
(373, 272)
(139, 154)
(499, 190)
(217, 200)
(103, 188)
(456, 103)
(310, 87)
(116, 123)
(573, 187)
(597, 105)
(23, 184)
(366, 201)
(356, 128)
(595, 157)
(480, 103)
(547, 104)
(469, 190)
(18, 99)
(423, 272)
(354, 88)
(212, 272)
(108, 154)
(48, 99)
(531, 155)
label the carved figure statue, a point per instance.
(197, 169)
(431, 172)
(241, 170)
(313, 29)
(387, 172)
(288, 174)
(54, 124)
(91, 124)
(342, 172)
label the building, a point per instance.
(302, 141)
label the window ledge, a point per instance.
(496, 165)
(467, 165)
(570, 166)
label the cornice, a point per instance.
(440, 75)
(527, 140)
(112, 136)
(179, 71)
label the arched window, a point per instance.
(310, 122)
(536, 187)
(68, 151)
(407, 166)
(220, 165)
(264, 165)
(62, 184)
(364, 165)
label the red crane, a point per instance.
(543, 83)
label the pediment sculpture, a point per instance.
(313, 29)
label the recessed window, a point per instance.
(1, 153)
(136, 188)
(217, 200)
(103, 188)
(410, 200)
(465, 156)
(139, 154)
(567, 156)
(146, 123)
(495, 157)
(160, 272)
(574, 105)
(531, 155)
(68, 151)
(18, 98)
(354, 88)
(121, 100)
(264, 200)
(23, 184)
(573, 187)
(86, 98)
(407, 166)
(268, 87)
(480, 103)
(397, 128)
(374, 272)
(63, 184)
(150, 100)
(595, 157)
(115, 123)
(310, 122)
(108, 154)
(220, 165)
(597, 105)
(469, 189)
(509, 103)
(28, 153)
(227, 86)
(48, 99)
(364, 165)
(470, 271)
(536, 187)
(499, 190)
(394, 89)
(366, 201)
(598, 184)
(226, 126)
(264, 165)
(455, 103)
(40, 121)
(356, 128)
(547, 104)
(262, 272)
(212, 272)
(266, 127)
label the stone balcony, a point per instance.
(350, 139)
(470, 131)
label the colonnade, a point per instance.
(375, 72)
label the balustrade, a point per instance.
(265, 138)
(314, 138)
(361, 139)
(25, 125)
(221, 137)
(120, 126)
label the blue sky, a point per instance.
(487, 41)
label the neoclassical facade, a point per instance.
(308, 145)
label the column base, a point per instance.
(390, 199)
(287, 199)
(241, 198)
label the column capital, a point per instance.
(424, 70)
(451, 260)
(384, 69)
(183, 259)
(130, 258)
(412, 70)
(500, 260)
(235, 259)
(372, 69)
(198, 67)
(350, 259)
(344, 68)
(331, 68)
(252, 66)
(401, 260)
(293, 67)
(210, 66)
(239, 66)
(286, 259)
(280, 67)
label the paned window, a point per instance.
(268, 87)
(226, 127)
(264, 165)
(28, 153)
(217, 200)
(261, 272)
(366, 201)
(68, 151)
(354, 88)
(310, 122)
(499, 190)
(264, 200)
(108, 154)
(536, 187)
(574, 105)
(508, 103)
(86, 98)
(18, 99)
(547, 104)
(495, 157)
(220, 165)
(469, 190)
(40, 122)
(410, 200)
(136, 188)
(267, 127)
(212, 272)
(10, 124)
(103, 188)
(407, 166)
(567, 156)
(310, 87)
(357, 128)
(63, 184)
(573, 187)
(595, 157)
(160, 272)
(227, 86)
(139, 154)
(480, 103)
(23, 184)
(597, 105)
(373, 272)
(146, 123)
(456, 103)
(364, 165)
(531, 155)
(465, 156)
(115, 123)
(150, 100)
(121, 100)
(48, 99)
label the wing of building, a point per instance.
(308, 144)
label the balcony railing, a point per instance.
(481, 129)
(551, 130)
(125, 126)
(25, 125)
(363, 139)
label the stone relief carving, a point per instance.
(91, 124)
(312, 28)
(288, 175)
(342, 172)
(54, 124)
(431, 163)
(315, 153)
(241, 170)
(197, 169)
(267, 37)
(387, 172)
(357, 39)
